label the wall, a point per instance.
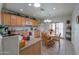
(0, 36)
(75, 29)
(26, 29)
(44, 27)
(0, 11)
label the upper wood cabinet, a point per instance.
(34, 22)
(19, 21)
(23, 21)
(6, 18)
(0, 17)
(13, 20)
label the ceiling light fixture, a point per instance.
(54, 8)
(30, 4)
(47, 20)
(21, 9)
(36, 4)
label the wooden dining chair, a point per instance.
(47, 40)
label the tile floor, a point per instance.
(66, 48)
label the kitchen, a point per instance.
(20, 34)
(36, 29)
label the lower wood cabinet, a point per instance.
(34, 49)
(36, 33)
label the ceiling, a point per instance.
(62, 9)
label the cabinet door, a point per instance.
(36, 33)
(6, 19)
(28, 20)
(19, 21)
(0, 18)
(26, 51)
(34, 22)
(13, 20)
(23, 21)
(37, 48)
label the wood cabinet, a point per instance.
(19, 20)
(34, 22)
(13, 20)
(36, 33)
(35, 49)
(23, 21)
(6, 19)
(0, 17)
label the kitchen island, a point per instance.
(10, 45)
(32, 47)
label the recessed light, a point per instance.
(29, 4)
(54, 8)
(36, 4)
(21, 9)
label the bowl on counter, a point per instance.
(27, 38)
(22, 43)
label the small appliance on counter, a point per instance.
(8, 31)
(28, 38)
(1, 29)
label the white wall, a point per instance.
(58, 19)
(75, 29)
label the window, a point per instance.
(57, 27)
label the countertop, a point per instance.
(10, 35)
(31, 42)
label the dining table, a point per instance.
(55, 38)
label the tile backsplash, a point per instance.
(22, 28)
